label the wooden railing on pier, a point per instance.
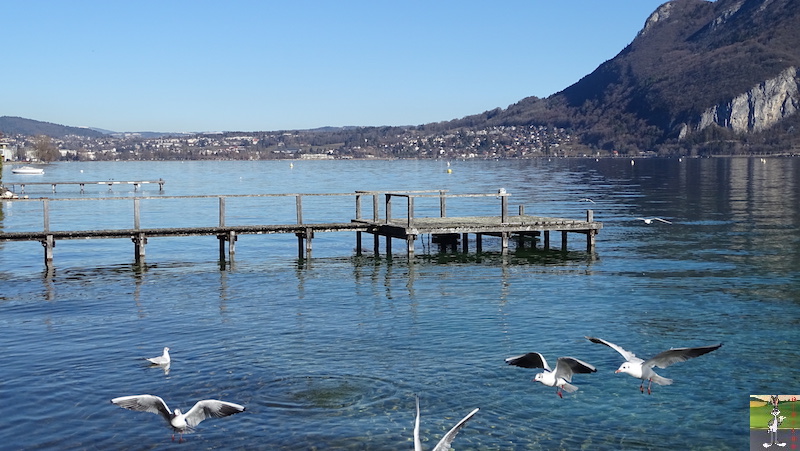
(407, 226)
(110, 183)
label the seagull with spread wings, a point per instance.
(643, 369)
(179, 422)
(650, 220)
(561, 377)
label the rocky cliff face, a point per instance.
(757, 109)
(661, 13)
(701, 76)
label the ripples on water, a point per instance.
(329, 353)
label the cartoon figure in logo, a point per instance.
(772, 425)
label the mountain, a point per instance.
(10, 125)
(701, 76)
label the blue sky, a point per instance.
(243, 65)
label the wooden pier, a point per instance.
(110, 183)
(406, 226)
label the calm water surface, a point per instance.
(328, 353)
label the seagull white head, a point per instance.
(627, 368)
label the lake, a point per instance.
(330, 352)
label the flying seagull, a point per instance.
(444, 443)
(586, 199)
(163, 359)
(179, 422)
(561, 377)
(650, 220)
(643, 369)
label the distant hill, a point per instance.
(17, 125)
(10, 125)
(704, 76)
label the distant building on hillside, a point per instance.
(316, 156)
(6, 151)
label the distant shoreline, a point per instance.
(564, 157)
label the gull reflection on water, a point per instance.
(163, 366)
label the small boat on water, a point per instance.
(27, 170)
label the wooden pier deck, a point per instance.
(444, 229)
(458, 229)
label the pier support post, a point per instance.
(229, 237)
(504, 240)
(299, 245)
(590, 235)
(358, 243)
(410, 242)
(48, 243)
(465, 242)
(306, 235)
(232, 237)
(478, 242)
(139, 240)
(563, 240)
(546, 239)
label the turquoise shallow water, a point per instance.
(329, 353)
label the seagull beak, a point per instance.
(616, 371)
